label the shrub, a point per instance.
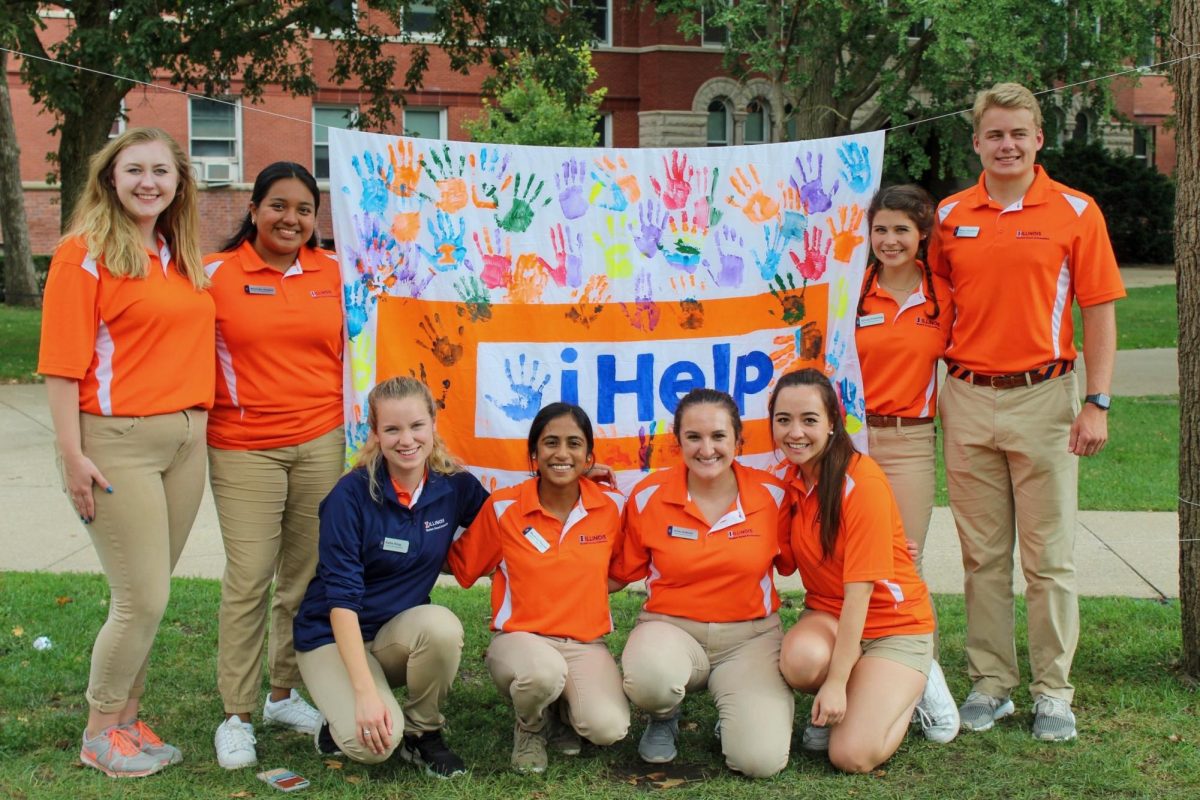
(41, 265)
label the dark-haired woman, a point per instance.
(864, 643)
(549, 541)
(904, 318)
(275, 443)
(706, 536)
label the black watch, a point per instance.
(1100, 401)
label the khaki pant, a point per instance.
(267, 504)
(907, 458)
(667, 657)
(419, 648)
(155, 465)
(1008, 471)
(534, 671)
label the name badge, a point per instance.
(251, 289)
(536, 540)
(395, 545)
(966, 231)
(867, 320)
(676, 532)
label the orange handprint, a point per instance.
(756, 204)
(846, 239)
(529, 279)
(590, 302)
(406, 168)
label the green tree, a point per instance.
(849, 66)
(528, 108)
(204, 44)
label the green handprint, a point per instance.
(477, 306)
(790, 300)
(524, 204)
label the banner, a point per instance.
(508, 277)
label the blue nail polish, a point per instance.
(109, 490)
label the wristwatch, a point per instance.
(1100, 401)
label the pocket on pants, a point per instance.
(107, 428)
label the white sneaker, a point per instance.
(937, 710)
(234, 742)
(293, 712)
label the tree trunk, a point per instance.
(1185, 27)
(20, 281)
(816, 110)
(80, 136)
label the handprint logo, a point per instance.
(526, 399)
(812, 190)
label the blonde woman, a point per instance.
(366, 624)
(127, 350)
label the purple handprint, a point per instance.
(408, 274)
(733, 265)
(568, 257)
(812, 191)
(651, 221)
(645, 313)
(526, 398)
(570, 188)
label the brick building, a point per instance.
(697, 105)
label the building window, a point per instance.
(758, 123)
(420, 18)
(425, 123)
(718, 123)
(713, 35)
(324, 118)
(598, 13)
(604, 133)
(118, 126)
(214, 139)
(1080, 134)
(1143, 144)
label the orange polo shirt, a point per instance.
(137, 346)
(1016, 270)
(279, 349)
(551, 578)
(870, 547)
(719, 573)
(899, 348)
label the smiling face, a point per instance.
(405, 430)
(707, 440)
(284, 221)
(145, 179)
(894, 239)
(562, 456)
(1007, 141)
(801, 427)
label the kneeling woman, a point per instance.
(551, 539)
(706, 535)
(864, 644)
(366, 623)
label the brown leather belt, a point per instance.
(1013, 379)
(888, 421)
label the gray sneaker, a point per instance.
(815, 739)
(658, 741)
(529, 749)
(1052, 719)
(980, 711)
(115, 753)
(149, 742)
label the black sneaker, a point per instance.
(324, 742)
(430, 751)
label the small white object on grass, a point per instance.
(42, 643)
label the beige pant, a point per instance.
(267, 504)
(419, 648)
(667, 657)
(155, 465)
(907, 458)
(1008, 471)
(534, 671)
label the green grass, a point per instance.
(1146, 318)
(1138, 470)
(1138, 725)
(20, 330)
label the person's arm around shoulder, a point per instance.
(476, 551)
(829, 706)
(1089, 431)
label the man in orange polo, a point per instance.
(1016, 248)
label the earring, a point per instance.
(253, 220)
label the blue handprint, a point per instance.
(768, 263)
(651, 220)
(448, 250)
(375, 176)
(855, 406)
(812, 192)
(570, 188)
(527, 398)
(835, 352)
(856, 166)
(357, 300)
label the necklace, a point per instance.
(897, 290)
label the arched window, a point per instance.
(719, 123)
(758, 122)
(1081, 133)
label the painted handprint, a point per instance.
(802, 344)
(476, 304)
(529, 279)
(524, 205)
(729, 252)
(568, 256)
(408, 278)
(526, 398)
(358, 303)
(853, 402)
(489, 176)
(816, 258)
(444, 349)
(684, 243)
(795, 222)
(768, 262)
(691, 310)
(448, 251)
(497, 264)
(614, 187)
(845, 237)
(375, 176)
(835, 353)
(570, 185)
(645, 313)
(589, 302)
(406, 169)
(646, 445)
(447, 173)
(615, 247)
(756, 204)
(856, 166)
(423, 377)
(791, 299)
(406, 224)
(651, 222)
(678, 182)
(704, 208)
(812, 190)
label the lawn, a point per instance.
(1138, 725)
(20, 329)
(1146, 318)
